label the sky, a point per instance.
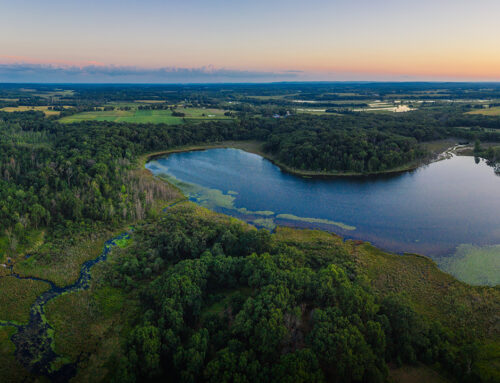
(249, 41)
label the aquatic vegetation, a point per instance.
(243, 210)
(211, 198)
(292, 217)
(217, 200)
(265, 223)
(476, 265)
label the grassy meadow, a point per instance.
(60, 265)
(44, 109)
(17, 297)
(494, 111)
(134, 115)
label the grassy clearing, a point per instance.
(81, 318)
(61, 266)
(130, 116)
(17, 297)
(474, 264)
(415, 374)
(439, 146)
(44, 109)
(203, 113)
(147, 116)
(494, 111)
(56, 93)
(431, 291)
(313, 111)
(150, 101)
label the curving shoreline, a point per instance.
(255, 147)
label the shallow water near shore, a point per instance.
(429, 211)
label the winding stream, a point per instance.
(34, 341)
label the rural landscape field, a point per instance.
(250, 192)
(130, 112)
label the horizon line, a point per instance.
(259, 82)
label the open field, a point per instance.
(147, 116)
(56, 93)
(203, 113)
(61, 266)
(44, 109)
(132, 116)
(495, 111)
(415, 374)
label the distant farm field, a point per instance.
(44, 109)
(147, 116)
(495, 111)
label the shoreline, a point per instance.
(255, 147)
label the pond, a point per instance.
(434, 210)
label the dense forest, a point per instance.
(62, 175)
(223, 303)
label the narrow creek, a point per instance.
(34, 341)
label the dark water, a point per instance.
(428, 211)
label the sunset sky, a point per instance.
(272, 40)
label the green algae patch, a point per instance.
(266, 223)
(292, 217)
(123, 242)
(266, 213)
(476, 265)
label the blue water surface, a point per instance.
(428, 211)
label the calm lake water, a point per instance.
(428, 211)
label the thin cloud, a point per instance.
(30, 72)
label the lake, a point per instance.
(431, 211)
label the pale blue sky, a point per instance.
(340, 39)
